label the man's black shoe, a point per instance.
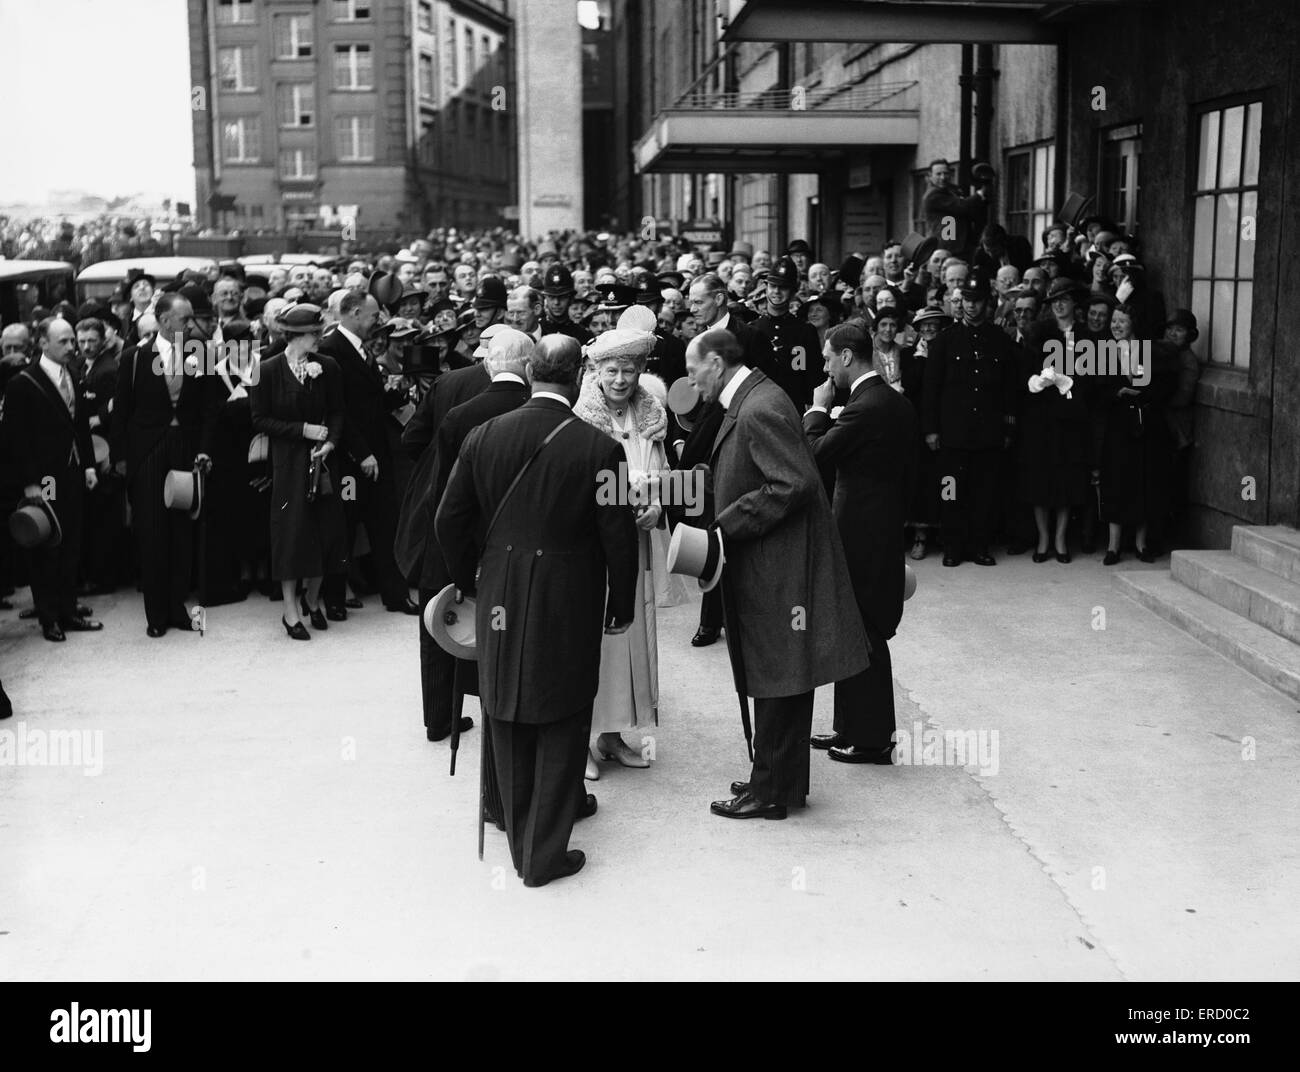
(336, 614)
(853, 754)
(156, 631)
(466, 724)
(704, 637)
(353, 603)
(952, 560)
(826, 740)
(588, 807)
(746, 807)
(573, 862)
(407, 606)
(81, 625)
(984, 559)
(53, 632)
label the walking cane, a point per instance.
(482, 781)
(198, 612)
(737, 662)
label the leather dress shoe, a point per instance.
(297, 631)
(156, 631)
(466, 724)
(850, 753)
(407, 606)
(81, 625)
(574, 860)
(984, 559)
(1042, 556)
(336, 614)
(1111, 558)
(53, 631)
(739, 789)
(704, 637)
(317, 616)
(588, 807)
(826, 740)
(1147, 554)
(746, 807)
(952, 560)
(353, 603)
(1063, 557)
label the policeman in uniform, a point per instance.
(668, 361)
(968, 413)
(557, 292)
(796, 349)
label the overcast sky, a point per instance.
(94, 95)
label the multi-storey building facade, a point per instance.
(379, 111)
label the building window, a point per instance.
(293, 38)
(351, 10)
(424, 16)
(1225, 207)
(1029, 175)
(235, 12)
(241, 140)
(426, 76)
(451, 58)
(354, 67)
(255, 211)
(298, 163)
(1121, 152)
(237, 68)
(469, 53)
(298, 104)
(354, 138)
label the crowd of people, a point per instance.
(312, 435)
(103, 237)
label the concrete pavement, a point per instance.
(269, 809)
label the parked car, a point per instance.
(27, 284)
(101, 279)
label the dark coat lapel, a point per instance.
(729, 421)
(51, 392)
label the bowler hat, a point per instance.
(742, 249)
(449, 619)
(676, 280)
(35, 523)
(697, 553)
(198, 299)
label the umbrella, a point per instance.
(731, 623)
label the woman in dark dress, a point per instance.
(1052, 467)
(298, 403)
(923, 511)
(1137, 454)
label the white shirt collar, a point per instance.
(355, 340)
(729, 392)
(513, 377)
(52, 369)
(723, 324)
(551, 394)
(865, 376)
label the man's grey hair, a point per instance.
(525, 292)
(508, 351)
(555, 359)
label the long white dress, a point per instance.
(628, 696)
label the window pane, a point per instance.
(1250, 169)
(1230, 163)
(367, 137)
(342, 68)
(1225, 231)
(365, 69)
(1221, 326)
(1203, 236)
(1247, 246)
(1207, 168)
(1201, 310)
(1241, 352)
(288, 113)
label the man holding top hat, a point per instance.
(527, 526)
(49, 439)
(791, 620)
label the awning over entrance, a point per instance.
(1008, 22)
(776, 131)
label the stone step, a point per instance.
(1242, 587)
(1275, 548)
(1255, 649)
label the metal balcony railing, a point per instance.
(892, 96)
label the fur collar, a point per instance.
(651, 418)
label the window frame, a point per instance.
(354, 124)
(240, 73)
(1039, 212)
(1131, 220)
(293, 19)
(350, 10)
(246, 140)
(298, 111)
(300, 153)
(355, 51)
(235, 7)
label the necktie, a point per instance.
(65, 389)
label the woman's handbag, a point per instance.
(318, 479)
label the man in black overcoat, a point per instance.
(49, 438)
(557, 570)
(871, 446)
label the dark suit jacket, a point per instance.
(549, 563)
(142, 410)
(415, 547)
(41, 433)
(872, 447)
(100, 384)
(365, 430)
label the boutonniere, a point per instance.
(312, 369)
(191, 365)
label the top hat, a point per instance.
(183, 490)
(449, 619)
(742, 249)
(35, 523)
(1075, 210)
(917, 249)
(685, 402)
(697, 553)
(850, 271)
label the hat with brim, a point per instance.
(1104, 297)
(100, 446)
(622, 344)
(35, 524)
(917, 249)
(449, 619)
(1075, 210)
(1184, 318)
(929, 313)
(697, 553)
(685, 402)
(301, 319)
(1065, 287)
(385, 288)
(183, 490)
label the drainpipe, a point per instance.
(964, 111)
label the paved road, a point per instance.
(270, 810)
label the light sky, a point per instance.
(94, 95)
